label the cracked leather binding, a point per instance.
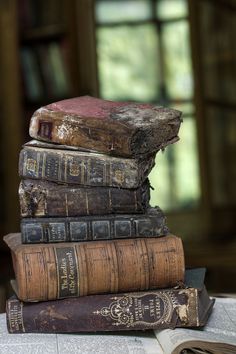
(116, 128)
(41, 199)
(60, 164)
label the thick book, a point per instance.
(86, 228)
(217, 336)
(61, 270)
(42, 198)
(117, 128)
(62, 165)
(153, 309)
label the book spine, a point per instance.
(55, 271)
(42, 199)
(66, 167)
(109, 137)
(125, 311)
(46, 230)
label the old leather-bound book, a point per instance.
(117, 128)
(58, 163)
(42, 198)
(154, 309)
(71, 269)
(85, 228)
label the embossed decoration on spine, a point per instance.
(154, 309)
(149, 310)
(83, 168)
(86, 228)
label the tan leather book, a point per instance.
(116, 128)
(71, 269)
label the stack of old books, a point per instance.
(92, 252)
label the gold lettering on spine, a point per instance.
(16, 321)
(149, 309)
(67, 272)
(21, 315)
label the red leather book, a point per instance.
(117, 128)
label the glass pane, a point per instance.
(177, 59)
(118, 11)
(127, 62)
(175, 177)
(169, 9)
(187, 108)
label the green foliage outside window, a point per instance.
(146, 58)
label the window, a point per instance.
(143, 51)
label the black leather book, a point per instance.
(85, 228)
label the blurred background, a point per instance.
(176, 53)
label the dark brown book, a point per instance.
(54, 271)
(117, 128)
(42, 198)
(86, 228)
(156, 309)
(62, 165)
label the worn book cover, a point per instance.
(61, 270)
(42, 198)
(63, 165)
(184, 306)
(85, 228)
(217, 336)
(117, 128)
